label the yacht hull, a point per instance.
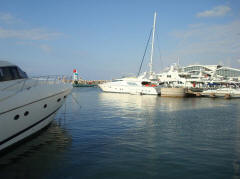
(142, 90)
(22, 121)
(226, 93)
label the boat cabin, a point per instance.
(10, 72)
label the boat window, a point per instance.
(11, 73)
(22, 74)
(116, 80)
(5, 74)
(131, 83)
(146, 83)
(14, 73)
(1, 72)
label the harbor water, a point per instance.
(107, 135)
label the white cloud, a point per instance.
(7, 18)
(215, 12)
(209, 43)
(46, 48)
(28, 34)
(24, 43)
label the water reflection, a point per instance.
(128, 100)
(42, 153)
(236, 162)
(151, 102)
(131, 136)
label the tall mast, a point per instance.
(153, 33)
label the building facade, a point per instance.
(213, 71)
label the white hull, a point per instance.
(224, 92)
(33, 116)
(142, 90)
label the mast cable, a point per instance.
(144, 53)
(158, 46)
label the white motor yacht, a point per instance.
(131, 85)
(27, 105)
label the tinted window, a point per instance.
(22, 74)
(6, 74)
(14, 73)
(146, 83)
(11, 73)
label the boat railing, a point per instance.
(34, 81)
(51, 79)
(14, 84)
(27, 83)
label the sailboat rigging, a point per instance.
(144, 84)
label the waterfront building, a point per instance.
(198, 75)
(213, 71)
(227, 72)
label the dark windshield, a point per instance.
(146, 83)
(11, 73)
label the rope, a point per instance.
(144, 53)
(160, 55)
(75, 100)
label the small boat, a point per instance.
(226, 92)
(27, 105)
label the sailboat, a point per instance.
(146, 84)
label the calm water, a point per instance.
(104, 135)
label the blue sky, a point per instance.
(106, 39)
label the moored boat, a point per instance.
(27, 105)
(226, 92)
(131, 85)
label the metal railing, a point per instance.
(51, 79)
(27, 83)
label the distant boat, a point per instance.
(26, 105)
(227, 92)
(145, 84)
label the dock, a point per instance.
(210, 95)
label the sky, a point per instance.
(106, 39)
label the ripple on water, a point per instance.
(107, 135)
